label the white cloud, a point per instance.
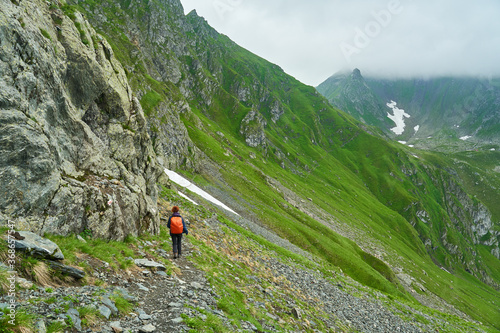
(424, 38)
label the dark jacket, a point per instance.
(184, 230)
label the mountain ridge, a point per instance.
(457, 107)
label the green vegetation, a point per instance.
(22, 322)
(123, 306)
(212, 323)
(149, 101)
(45, 34)
(56, 327)
(112, 252)
(89, 315)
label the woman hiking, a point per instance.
(177, 228)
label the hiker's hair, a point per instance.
(175, 209)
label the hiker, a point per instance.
(177, 228)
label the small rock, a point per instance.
(81, 239)
(40, 326)
(111, 305)
(124, 294)
(143, 315)
(196, 285)
(175, 305)
(142, 287)
(297, 313)
(149, 264)
(177, 320)
(115, 323)
(116, 326)
(147, 328)
(273, 317)
(75, 318)
(105, 311)
(68, 270)
(117, 329)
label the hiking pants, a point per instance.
(176, 243)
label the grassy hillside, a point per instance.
(313, 176)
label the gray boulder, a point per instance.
(65, 269)
(39, 247)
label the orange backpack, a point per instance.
(176, 226)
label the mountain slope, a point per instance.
(245, 111)
(276, 152)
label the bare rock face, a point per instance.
(252, 127)
(74, 149)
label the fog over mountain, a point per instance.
(398, 38)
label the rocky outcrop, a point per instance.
(252, 128)
(75, 152)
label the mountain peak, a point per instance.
(193, 13)
(200, 24)
(356, 74)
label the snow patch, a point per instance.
(397, 118)
(402, 142)
(416, 128)
(465, 137)
(188, 198)
(181, 181)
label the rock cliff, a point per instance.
(75, 151)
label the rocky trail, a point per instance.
(223, 282)
(158, 300)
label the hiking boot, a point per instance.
(175, 256)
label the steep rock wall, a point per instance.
(74, 149)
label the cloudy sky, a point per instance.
(313, 39)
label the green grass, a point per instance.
(212, 323)
(149, 101)
(113, 252)
(89, 316)
(21, 321)
(57, 327)
(45, 34)
(123, 306)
